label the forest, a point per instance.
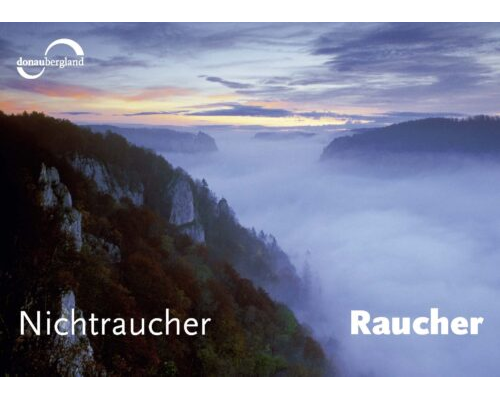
(477, 136)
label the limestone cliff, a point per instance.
(72, 353)
(183, 212)
(55, 195)
(106, 182)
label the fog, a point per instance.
(391, 244)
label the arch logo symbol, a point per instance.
(45, 62)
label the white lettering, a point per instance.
(362, 322)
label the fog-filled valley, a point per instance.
(390, 242)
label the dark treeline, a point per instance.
(476, 136)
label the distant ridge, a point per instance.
(162, 139)
(474, 136)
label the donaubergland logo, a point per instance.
(46, 61)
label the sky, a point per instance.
(338, 75)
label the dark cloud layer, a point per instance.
(229, 84)
(407, 61)
(150, 113)
(239, 110)
(76, 113)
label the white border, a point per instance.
(250, 388)
(249, 10)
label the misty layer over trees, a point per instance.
(421, 232)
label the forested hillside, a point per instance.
(476, 136)
(93, 215)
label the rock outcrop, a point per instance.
(49, 178)
(105, 181)
(99, 245)
(72, 225)
(55, 195)
(195, 231)
(224, 210)
(183, 212)
(182, 203)
(204, 143)
(73, 353)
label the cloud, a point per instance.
(52, 88)
(422, 66)
(6, 49)
(330, 114)
(391, 117)
(229, 84)
(397, 116)
(239, 110)
(429, 68)
(351, 121)
(115, 62)
(167, 39)
(143, 113)
(267, 91)
(385, 63)
(76, 113)
(158, 92)
(419, 48)
(413, 114)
